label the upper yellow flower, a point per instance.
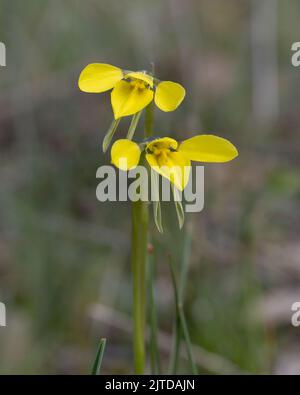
(172, 159)
(132, 91)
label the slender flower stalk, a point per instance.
(149, 120)
(140, 219)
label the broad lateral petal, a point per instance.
(208, 148)
(125, 154)
(127, 99)
(169, 95)
(99, 77)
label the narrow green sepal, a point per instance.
(110, 134)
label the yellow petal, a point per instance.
(169, 95)
(208, 148)
(141, 76)
(127, 99)
(176, 167)
(99, 77)
(125, 154)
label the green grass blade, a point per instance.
(177, 332)
(173, 366)
(174, 357)
(186, 254)
(188, 342)
(180, 316)
(99, 356)
(154, 352)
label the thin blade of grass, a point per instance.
(177, 332)
(154, 352)
(180, 316)
(176, 340)
(99, 357)
(188, 342)
(186, 254)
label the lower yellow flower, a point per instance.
(131, 91)
(171, 159)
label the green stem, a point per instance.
(99, 357)
(140, 219)
(149, 118)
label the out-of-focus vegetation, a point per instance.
(64, 257)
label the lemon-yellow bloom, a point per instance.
(171, 159)
(131, 91)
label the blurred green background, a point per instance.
(65, 272)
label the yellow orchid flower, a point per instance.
(172, 159)
(131, 91)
